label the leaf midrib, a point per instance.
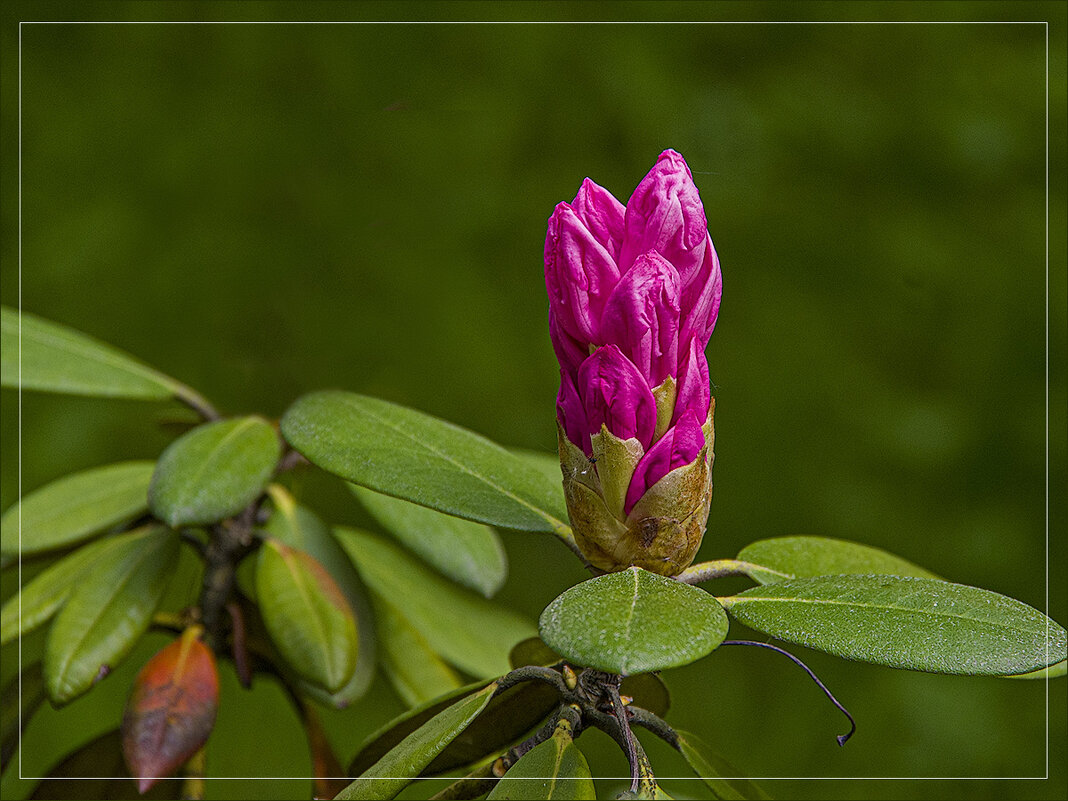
(104, 491)
(558, 525)
(212, 459)
(300, 583)
(139, 558)
(630, 616)
(94, 351)
(735, 600)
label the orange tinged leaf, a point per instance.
(171, 710)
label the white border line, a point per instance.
(673, 779)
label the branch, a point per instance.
(721, 568)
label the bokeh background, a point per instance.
(266, 210)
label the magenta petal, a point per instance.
(570, 413)
(614, 393)
(665, 214)
(700, 300)
(602, 214)
(693, 392)
(570, 353)
(642, 317)
(679, 446)
(579, 274)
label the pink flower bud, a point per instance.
(665, 214)
(615, 394)
(634, 293)
(579, 274)
(693, 393)
(677, 448)
(642, 317)
(570, 414)
(602, 215)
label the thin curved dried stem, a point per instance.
(841, 738)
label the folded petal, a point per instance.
(570, 353)
(579, 274)
(615, 394)
(570, 413)
(602, 214)
(694, 393)
(642, 317)
(678, 447)
(700, 300)
(665, 214)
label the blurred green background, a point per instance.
(266, 210)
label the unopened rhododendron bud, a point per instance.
(633, 296)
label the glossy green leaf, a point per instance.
(214, 471)
(306, 614)
(299, 527)
(423, 459)
(417, 673)
(380, 742)
(75, 507)
(646, 689)
(910, 623)
(59, 359)
(469, 553)
(801, 557)
(108, 611)
(548, 464)
(46, 592)
(633, 621)
(470, 632)
(508, 718)
(712, 769)
(554, 769)
(532, 651)
(396, 769)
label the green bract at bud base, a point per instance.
(664, 529)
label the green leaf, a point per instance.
(910, 623)
(711, 768)
(469, 553)
(508, 718)
(554, 769)
(42, 597)
(470, 632)
(396, 769)
(214, 471)
(411, 455)
(548, 464)
(59, 359)
(306, 615)
(1052, 672)
(299, 527)
(633, 621)
(800, 557)
(75, 507)
(647, 689)
(532, 651)
(415, 671)
(108, 611)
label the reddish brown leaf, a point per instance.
(171, 710)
